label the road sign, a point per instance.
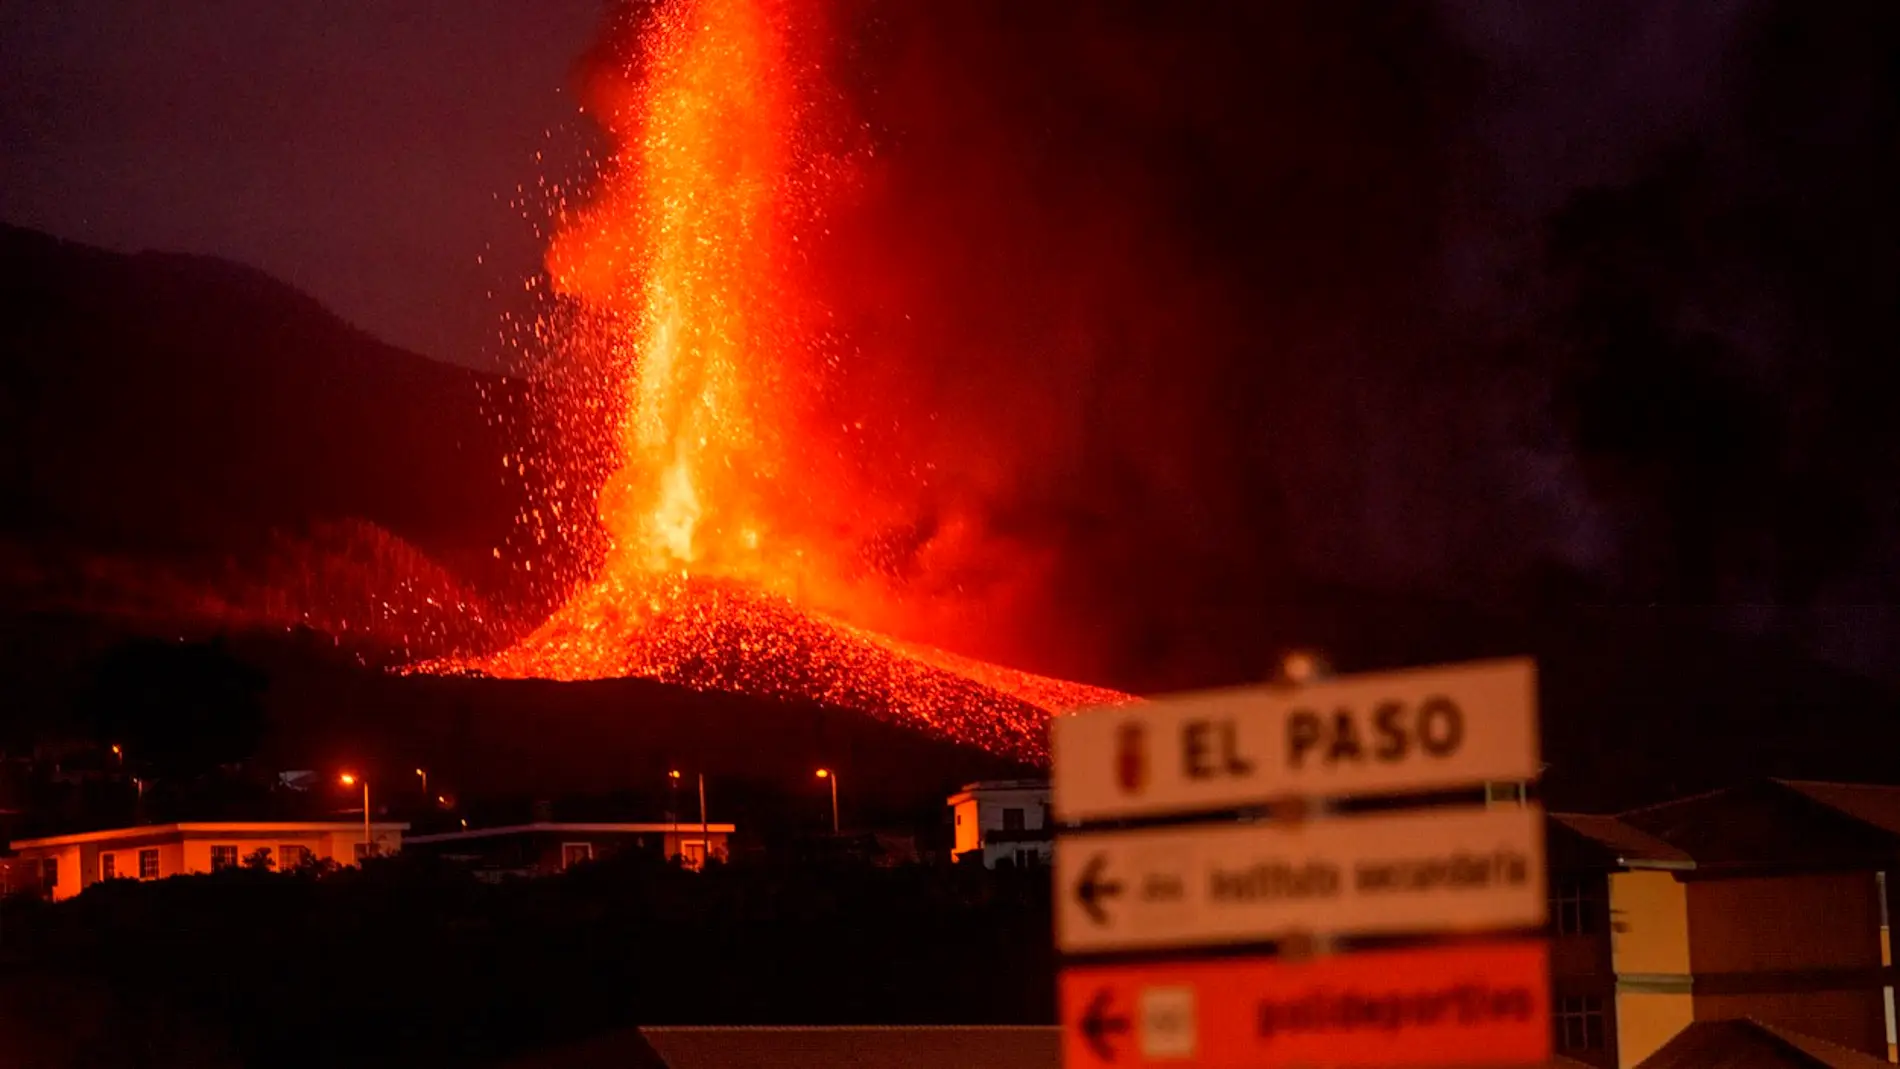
(1476, 1004)
(1397, 731)
(1462, 869)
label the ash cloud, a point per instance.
(1200, 314)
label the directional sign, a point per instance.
(1422, 871)
(1479, 1004)
(1397, 731)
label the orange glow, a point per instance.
(674, 774)
(720, 561)
(116, 750)
(347, 779)
(823, 773)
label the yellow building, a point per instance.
(1767, 903)
(65, 865)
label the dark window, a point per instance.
(1577, 907)
(108, 866)
(1012, 820)
(223, 857)
(291, 856)
(148, 864)
(362, 850)
(573, 854)
(49, 872)
(1580, 1022)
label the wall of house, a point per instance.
(1649, 952)
(964, 815)
(1802, 951)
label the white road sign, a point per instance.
(1396, 731)
(1427, 871)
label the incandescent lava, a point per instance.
(682, 318)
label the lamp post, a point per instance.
(424, 773)
(825, 773)
(705, 836)
(350, 780)
(705, 829)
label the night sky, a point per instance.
(368, 152)
(1206, 304)
(365, 152)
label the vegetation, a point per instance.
(247, 966)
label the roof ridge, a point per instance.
(1782, 1034)
(849, 1028)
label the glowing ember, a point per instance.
(716, 511)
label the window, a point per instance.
(49, 872)
(573, 854)
(1580, 1022)
(1577, 907)
(223, 857)
(361, 850)
(148, 864)
(1012, 820)
(693, 854)
(291, 856)
(108, 866)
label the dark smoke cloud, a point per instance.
(1151, 288)
(1168, 329)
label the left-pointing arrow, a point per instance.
(1094, 888)
(1099, 1026)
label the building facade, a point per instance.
(1003, 822)
(543, 848)
(65, 865)
(1767, 902)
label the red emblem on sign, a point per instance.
(1131, 757)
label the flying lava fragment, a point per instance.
(700, 345)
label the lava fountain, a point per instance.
(717, 518)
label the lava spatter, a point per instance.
(685, 323)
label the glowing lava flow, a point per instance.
(713, 510)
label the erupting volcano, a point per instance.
(687, 347)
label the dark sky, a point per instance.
(364, 151)
(1266, 284)
(367, 151)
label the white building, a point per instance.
(1004, 821)
(67, 864)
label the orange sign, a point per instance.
(1475, 1004)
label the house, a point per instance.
(1767, 902)
(1754, 1045)
(67, 864)
(545, 847)
(809, 1047)
(1003, 822)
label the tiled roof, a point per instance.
(1866, 802)
(1625, 841)
(857, 1048)
(1748, 1044)
(1767, 823)
(920, 1047)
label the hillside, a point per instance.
(160, 403)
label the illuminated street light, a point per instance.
(425, 781)
(825, 773)
(350, 780)
(1304, 666)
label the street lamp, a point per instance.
(825, 773)
(705, 829)
(425, 781)
(350, 780)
